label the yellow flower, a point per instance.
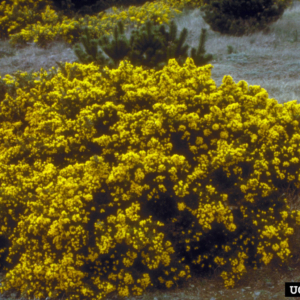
(275, 247)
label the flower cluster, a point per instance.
(43, 27)
(82, 170)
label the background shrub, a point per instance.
(242, 17)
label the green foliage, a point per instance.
(91, 53)
(71, 8)
(150, 46)
(199, 57)
(127, 2)
(242, 17)
(118, 48)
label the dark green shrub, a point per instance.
(149, 46)
(242, 17)
(91, 7)
(71, 8)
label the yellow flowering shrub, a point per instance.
(37, 21)
(16, 15)
(47, 25)
(126, 181)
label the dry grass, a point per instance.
(270, 60)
